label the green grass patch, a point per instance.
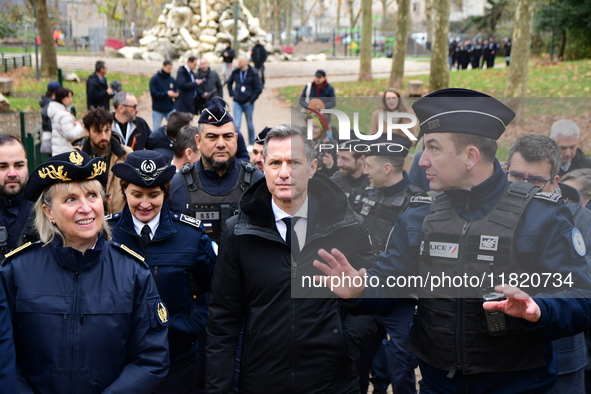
(568, 79)
(28, 91)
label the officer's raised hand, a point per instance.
(350, 283)
(517, 304)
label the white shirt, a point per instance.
(565, 166)
(138, 226)
(301, 225)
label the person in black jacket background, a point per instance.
(98, 93)
(188, 87)
(228, 55)
(211, 85)
(163, 89)
(258, 54)
(244, 85)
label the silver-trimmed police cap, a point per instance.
(462, 111)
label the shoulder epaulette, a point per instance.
(555, 198)
(129, 251)
(16, 250)
(420, 200)
(112, 216)
(187, 219)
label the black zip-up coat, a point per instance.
(291, 345)
(160, 84)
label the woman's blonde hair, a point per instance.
(45, 228)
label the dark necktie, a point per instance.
(146, 236)
(290, 223)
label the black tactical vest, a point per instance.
(380, 213)
(353, 193)
(449, 331)
(214, 210)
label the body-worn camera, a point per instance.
(495, 321)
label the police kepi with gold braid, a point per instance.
(65, 167)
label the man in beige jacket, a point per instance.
(100, 141)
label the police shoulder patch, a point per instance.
(129, 251)
(420, 200)
(161, 313)
(548, 196)
(578, 242)
(189, 220)
(16, 250)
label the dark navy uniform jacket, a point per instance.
(85, 323)
(544, 241)
(210, 181)
(13, 216)
(7, 358)
(179, 249)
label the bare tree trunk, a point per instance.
(338, 24)
(562, 45)
(365, 53)
(517, 78)
(277, 17)
(429, 14)
(48, 54)
(288, 21)
(439, 74)
(397, 72)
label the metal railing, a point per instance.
(10, 60)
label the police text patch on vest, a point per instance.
(443, 249)
(489, 242)
(578, 242)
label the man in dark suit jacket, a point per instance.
(188, 87)
(98, 93)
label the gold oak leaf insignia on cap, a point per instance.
(52, 173)
(76, 158)
(98, 169)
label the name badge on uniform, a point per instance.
(243, 89)
(365, 209)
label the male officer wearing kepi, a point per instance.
(211, 188)
(380, 207)
(481, 223)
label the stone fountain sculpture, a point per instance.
(198, 28)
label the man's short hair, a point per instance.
(583, 177)
(10, 139)
(176, 121)
(486, 146)
(98, 65)
(191, 59)
(185, 139)
(120, 99)
(564, 127)
(290, 130)
(535, 148)
(97, 117)
(167, 62)
(397, 162)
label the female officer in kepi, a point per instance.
(86, 314)
(176, 247)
